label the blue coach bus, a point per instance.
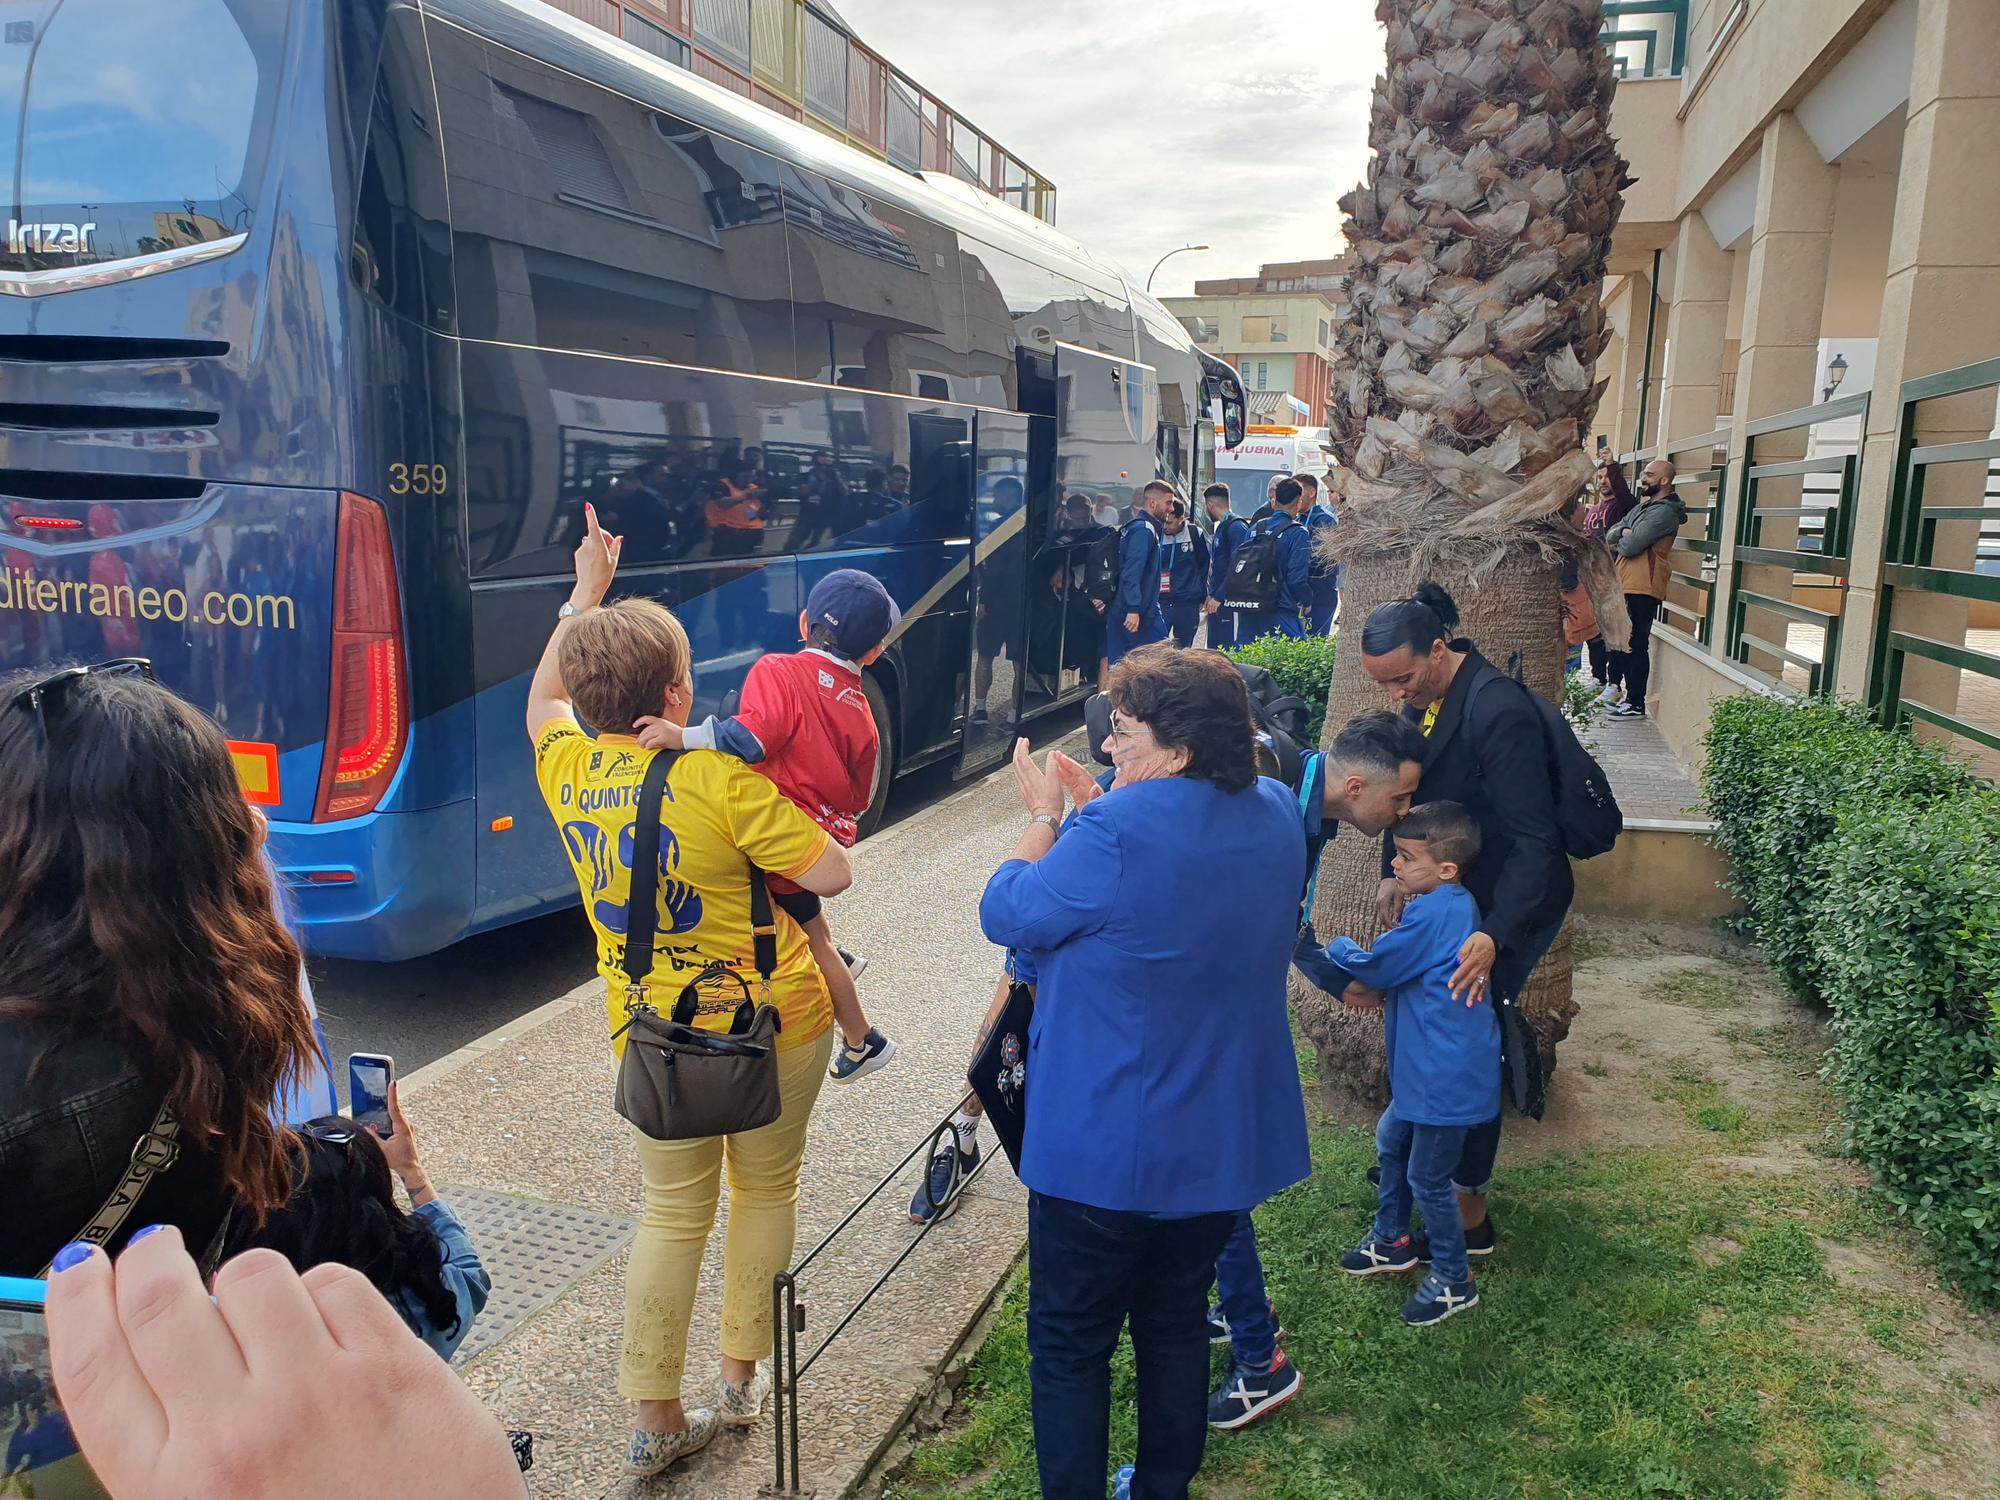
(322, 320)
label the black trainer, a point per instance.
(1480, 1241)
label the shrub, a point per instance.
(1777, 772)
(1301, 667)
(1866, 860)
(1909, 955)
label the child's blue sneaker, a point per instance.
(1245, 1395)
(1437, 1299)
(1121, 1488)
(1375, 1255)
(849, 1063)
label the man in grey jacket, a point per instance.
(1643, 543)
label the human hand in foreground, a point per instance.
(1079, 783)
(1040, 786)
(1475, 964)
(660, 734)
(596, 562)
(306, 1387)
(399, 1149)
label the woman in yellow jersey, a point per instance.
(613, 666)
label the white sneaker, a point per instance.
(1612, 693)
(741, 1405)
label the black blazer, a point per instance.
(1489, 752)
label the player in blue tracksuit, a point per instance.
(1323, 575)
(1183, 572)
(1231, 532)
(1294, 569)
(1134, 617)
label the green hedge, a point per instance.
(1302, 667)
(1868, 862)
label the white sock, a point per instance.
(966, 1128)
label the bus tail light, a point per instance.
(368, 714)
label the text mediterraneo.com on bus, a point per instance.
(21, 590)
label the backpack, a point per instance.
(1101, 564)
(1586, 811)
(1253, 582)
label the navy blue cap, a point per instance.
(854, 609)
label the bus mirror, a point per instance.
(1225, 388)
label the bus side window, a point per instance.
(583, 219)
(875, 292)
(401, 251)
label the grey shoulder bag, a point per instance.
(676, 1081)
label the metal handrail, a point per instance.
(788, 1313)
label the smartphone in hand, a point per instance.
(369, 1075)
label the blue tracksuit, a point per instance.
(1294, 583)
(1138, 590)
(1230, 533)
(1322, 578)
(1183, 581)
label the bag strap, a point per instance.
(153, 1153)
(642, 901)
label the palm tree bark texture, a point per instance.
(1465, 385)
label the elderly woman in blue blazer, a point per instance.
(1163, 1094)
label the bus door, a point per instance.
(998, 564)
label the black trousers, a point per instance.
(1089, 1271)
(1634, 667)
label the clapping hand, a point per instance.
(1079, 783)
(1041, 786)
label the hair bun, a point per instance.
(1441, 604)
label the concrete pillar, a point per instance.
(1940, 309)
(1691, 382)
(1791, 242)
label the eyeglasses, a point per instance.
(37, 697)
(1123, 728)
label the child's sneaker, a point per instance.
(1121, 1487)
(1480, 1241)
(1218, 1325)
(856, 964)
(1437, 1299)
(849, 1062)
(937, 1194)
(1245, 1395)
(1375, 1255)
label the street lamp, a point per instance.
(1164, 259)
(1836, 371)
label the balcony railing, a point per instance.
(1648, 38)
(800, 61)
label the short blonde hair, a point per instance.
(618, 662)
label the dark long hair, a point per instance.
(1419, 622)
(1193, 701)
(344, 1212)
(135, 900)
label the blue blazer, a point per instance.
(1163, 1078)
(1444, 1055)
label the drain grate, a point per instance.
(534, 1251)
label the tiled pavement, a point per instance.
(1647, 779)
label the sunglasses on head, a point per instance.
(39, 697)
(333, 1135)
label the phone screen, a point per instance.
(368, 1076)
(38, 1455)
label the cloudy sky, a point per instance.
(1161, 122)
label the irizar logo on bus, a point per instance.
(72, 239)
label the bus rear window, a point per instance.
(131, 129)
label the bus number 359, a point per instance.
(417, 479)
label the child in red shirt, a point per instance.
(803, 720)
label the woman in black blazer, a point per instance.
(1484, 748)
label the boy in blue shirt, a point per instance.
(1444, 1060)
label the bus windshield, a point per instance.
(132, 129)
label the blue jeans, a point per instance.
(1239, 1284)
(1417, 1162)
(1089, 1271)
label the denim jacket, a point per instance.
(66, 1138)
(463, 1274)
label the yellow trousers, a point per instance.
(683, 1181)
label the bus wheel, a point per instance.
(885, 753)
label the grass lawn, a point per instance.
(1692, 1297)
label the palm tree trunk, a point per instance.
(1467, 379)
